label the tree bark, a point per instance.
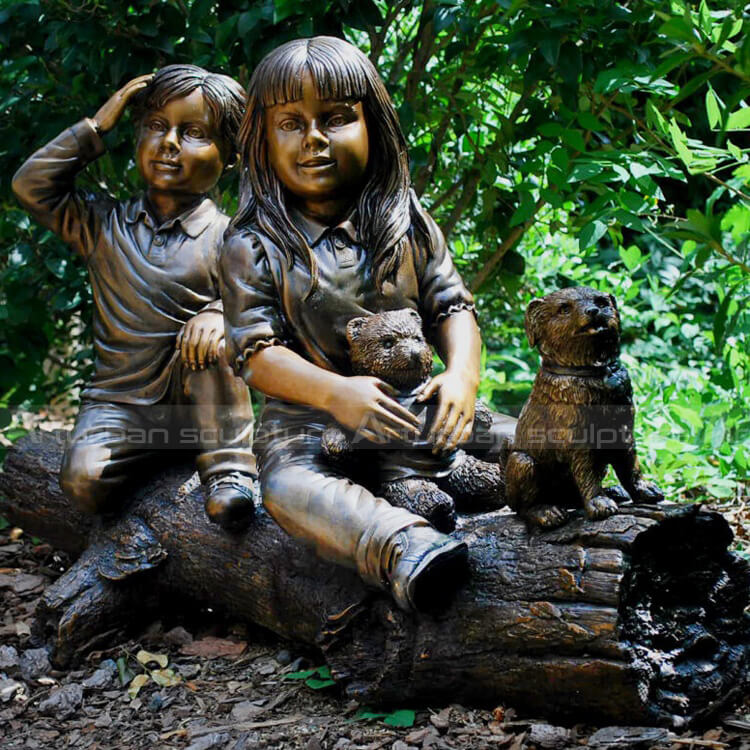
(635, 619)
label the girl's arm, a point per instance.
(459, 346)
(361, 404)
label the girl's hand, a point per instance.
(200, 339)
(111, 111)
(455, 415)
(364, 405)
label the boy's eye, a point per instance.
(155, 125)
(288, 125)
(194, 132)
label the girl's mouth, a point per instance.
(316, 163)
(166, 166)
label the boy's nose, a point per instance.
(171, 140)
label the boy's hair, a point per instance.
(224, 97)
(387, 207)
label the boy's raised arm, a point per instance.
(45, 183)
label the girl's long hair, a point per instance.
(388, 210)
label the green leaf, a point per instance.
(123, 671)
(591, 233)
(4, 523)
(402, 718)
(712, 109)
(688, 415)
(550, 49)
(739, 120)
(574, 139)
(302, 675)
(524, 211)
(631, 257)
(316, 684)
(589, 122)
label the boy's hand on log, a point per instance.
(365, 406)
(201, 339)
(455, 414)
(111, 111)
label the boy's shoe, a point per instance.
(229, 500)
(427, 568)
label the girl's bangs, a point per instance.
(335, 75)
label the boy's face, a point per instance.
(179, 148)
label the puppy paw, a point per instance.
(545, 516)
(599, 507)
(647, 492)
(617, 493)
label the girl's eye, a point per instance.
(156, 126)
(337, 120)
(288, 126)
(194, 132)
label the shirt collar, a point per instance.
(313, 230)
(194, 221)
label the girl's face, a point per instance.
(319, 149)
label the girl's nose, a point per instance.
(171, 140)
(315, 139)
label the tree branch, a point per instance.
(497, 257)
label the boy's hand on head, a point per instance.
(455, 414)
(200, 340)
(111, 111)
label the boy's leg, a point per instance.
(389, 547)
(107, 442)
(218, 410)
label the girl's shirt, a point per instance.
(266, 302)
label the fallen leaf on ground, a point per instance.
(211, 648)
(137, 683)
(146, 657)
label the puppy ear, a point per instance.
(533, 312)
(353, 328)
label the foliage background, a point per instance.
(571, 142)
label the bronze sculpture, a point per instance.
(391, 346)
(161, 378)
(329, 230)
(578, 419)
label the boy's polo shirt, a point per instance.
(147, 279)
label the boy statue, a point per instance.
(161, 378)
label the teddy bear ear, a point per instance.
(533, 312)
(353, 328)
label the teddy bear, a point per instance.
(578, 419)
(392, 347)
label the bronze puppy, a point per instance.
(578, 419)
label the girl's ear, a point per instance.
(232, 161)
(353, 328)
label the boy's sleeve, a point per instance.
(442, 292)
(45, 186)
(252, 315)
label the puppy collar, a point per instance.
(595, 371)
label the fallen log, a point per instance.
(636, 619)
